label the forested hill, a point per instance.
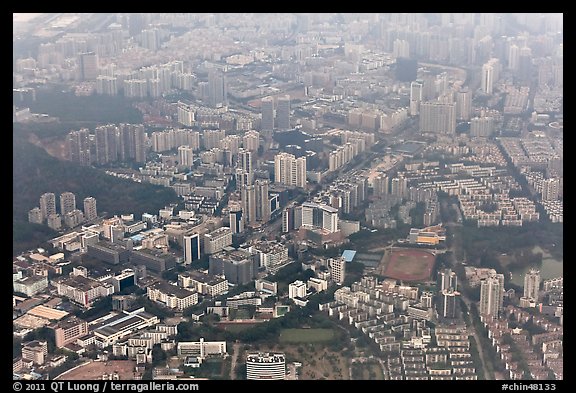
(35, 172)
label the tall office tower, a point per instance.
(78, 144)
(283, 113)
(289, 170)
(106, 144)
(447, 303)
(463, 104)
(47, 204)
(482, 126)
(67, 203)
(236, 220)
(401, 48)
(185, 156)
(447, 279)
(380, 185)
(248, 196)
(217, 88)
(337, 269)
(532, 284)
(550, 189)
(90, 212)
(491, 295)
(437, 117)
(513, 57)
(212, 138)
(88, 66)
(191, 248)
(251, 140)
(262, 201)
(267, 114)
(416, 89)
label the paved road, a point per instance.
(235, 353)
(472, 329)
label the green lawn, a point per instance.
(306, 335)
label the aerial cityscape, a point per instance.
(289, 196)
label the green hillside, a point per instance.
(35, 172)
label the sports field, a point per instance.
(95, 370)
(409, 264)
(306, 335)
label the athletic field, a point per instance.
(306, 335)
(410, 264)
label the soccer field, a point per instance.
(306, 335)
(410, 264)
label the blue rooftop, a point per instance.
(348, 255)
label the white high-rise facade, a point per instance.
(491, 295)
(266, 366)
(438, 117)
(289, 170)
(186, 156)
(490, 75)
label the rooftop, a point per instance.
(348, 255)
(47, 312)
(172, 290)
(69, 322)
(81, 283)
(265, 358)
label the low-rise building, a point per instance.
(35, 351)
(31, 285)
(115, 326)
(201, 348)
(172, 296)
(83, 290)
(216, 241)
(204, 284)
(68, 330)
